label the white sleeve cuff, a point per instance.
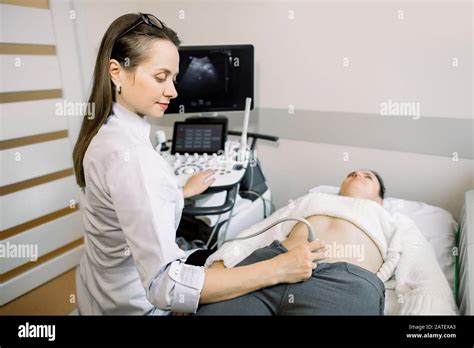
(189, 281)
(177, 287)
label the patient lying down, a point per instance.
(365, 246)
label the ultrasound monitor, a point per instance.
(214, 78)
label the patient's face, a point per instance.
(361, 184)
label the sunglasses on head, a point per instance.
(148, 19)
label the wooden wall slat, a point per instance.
(22, 185)
(27, 49)
(17, 271)
(32, 139)
(44, 4)
(15, 97)
(36, 222)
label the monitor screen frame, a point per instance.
(174, 107)
(191, 124)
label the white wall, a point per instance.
(299, 62)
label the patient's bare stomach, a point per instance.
(346, 242)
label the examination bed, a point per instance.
(452, 242)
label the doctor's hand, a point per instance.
(298, 264)
(198, 183)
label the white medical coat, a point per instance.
(132, 206)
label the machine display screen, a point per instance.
(213, 78)
(198, 138)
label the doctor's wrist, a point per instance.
(185, 193)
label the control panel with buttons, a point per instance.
(228, 169)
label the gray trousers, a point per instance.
(338, 288)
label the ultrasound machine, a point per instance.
(214, 79)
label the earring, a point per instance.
(119, 89)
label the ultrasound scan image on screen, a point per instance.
(205, 77)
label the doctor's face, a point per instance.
(149, 88)
(361, 184)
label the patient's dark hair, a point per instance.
(382, 185)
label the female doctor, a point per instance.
(131, 201)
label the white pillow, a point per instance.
(436, 224)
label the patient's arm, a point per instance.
(294, 266)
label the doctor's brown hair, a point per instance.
(130, 50)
